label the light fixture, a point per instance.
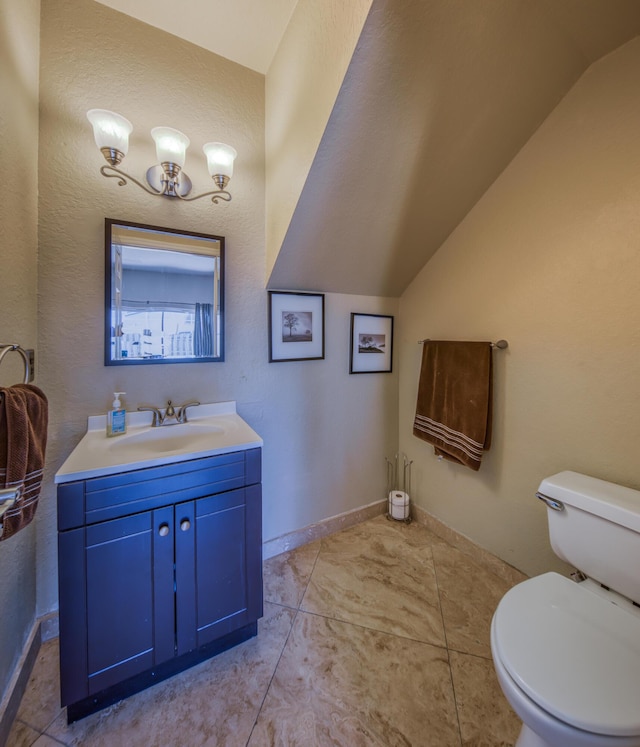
(111, 132)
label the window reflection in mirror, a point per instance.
(164, 295)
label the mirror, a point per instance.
(164, 295)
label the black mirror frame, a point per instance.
(108, 223)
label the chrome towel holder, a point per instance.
(27, 358)
(9, 496)
(501, 344)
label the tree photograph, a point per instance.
(297, 326)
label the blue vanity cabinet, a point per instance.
(159, 568)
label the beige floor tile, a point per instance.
(486, 719)
(45, 741)
(21, 735)
(285, 576)
(378, 574)
(469, 595)
(341, 684)
(210, 705)
(41, 702)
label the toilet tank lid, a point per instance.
(606, 499)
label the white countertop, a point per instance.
(211, 429)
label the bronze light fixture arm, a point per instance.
(122, 177)
(170, 186)
(218, 194)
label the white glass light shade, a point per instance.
(220, 158)
(110, 130)
(171, 145)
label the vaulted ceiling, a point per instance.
(439, 96)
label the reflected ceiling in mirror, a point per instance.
(164, 295)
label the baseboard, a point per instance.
(483, 557)
(49, 627)
(323, 528)
(313, 532)
(18, 684)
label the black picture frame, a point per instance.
(296, 326)
(371, 343)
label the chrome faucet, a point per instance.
(160, 418)
(181, 417)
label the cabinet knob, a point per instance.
(185, 525)
(163, 530)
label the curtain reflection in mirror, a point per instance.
(203, 337)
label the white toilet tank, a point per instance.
(596, 529)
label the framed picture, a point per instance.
(296, 326)
(371, 343)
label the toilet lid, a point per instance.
(574, 653)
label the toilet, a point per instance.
(567, 651)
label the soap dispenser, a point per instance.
(116, 417)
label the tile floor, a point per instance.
(375, 636)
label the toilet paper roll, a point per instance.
(399, 505)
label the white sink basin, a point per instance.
(168, 438)
(211, 429)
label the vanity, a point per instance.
(159, 551)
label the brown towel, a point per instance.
(453, 411)
(23, 440)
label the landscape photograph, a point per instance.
(297, 326)
(371, 343)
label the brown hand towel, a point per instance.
(453, 411)
(23, 441)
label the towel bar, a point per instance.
(27, 359)
(501, 344)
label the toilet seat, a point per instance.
(565, 647)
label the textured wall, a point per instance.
(548, 259)
(19, 32)
(301, 88)
(326, 433)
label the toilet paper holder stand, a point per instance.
(399, 487)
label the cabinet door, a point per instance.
(129, 567)
(226, 586)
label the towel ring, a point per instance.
(4, 349)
